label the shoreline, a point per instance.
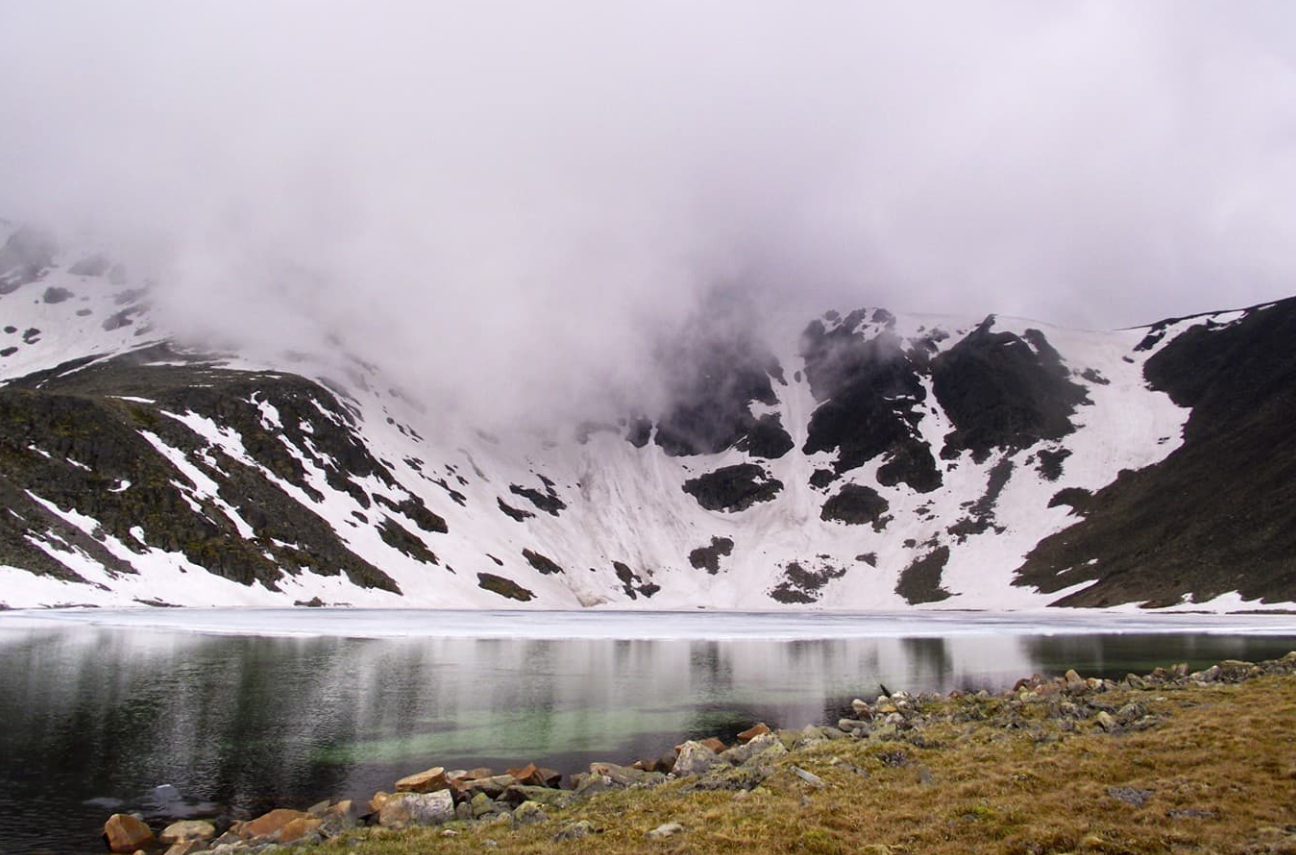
(468, 803)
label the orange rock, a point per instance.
(298, 828)
(529, 775)
(269, 823)
(714, 744)
(379, 799)
(427, 781)
(752, 732)
(125, 833)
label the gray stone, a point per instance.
(809, 777)
(547, 796)
(625, 776)
(576, 831)
(529, 813)
(406, 809)
(669, 829)
(765, 747)
(695, 758)
(1130, 795)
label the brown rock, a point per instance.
(493, 786)
(187, 847)
(379, 799)
(270, 823)
(551, 777)
(344, 808)
(479, 772)
(710, 742)
(124, 833)
(189, 829)
(427, 781)
(529, 775)
(759, 729)
(298, 828)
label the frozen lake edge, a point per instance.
(638, 625)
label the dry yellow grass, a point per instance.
(1224, 756)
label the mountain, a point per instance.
(870, 461)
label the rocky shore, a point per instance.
(888, 731)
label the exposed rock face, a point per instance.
(920, 581)
(708, 557)
(802, 585)
(506, 588)
(733, 488)
(856, 504)
(871, 394)
(1190, 526)
(1004, 391)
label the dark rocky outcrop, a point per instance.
(708, 557)
(632, 583)
(801, 586)
(920, 581)
(733, 488)
(856, 504)
(546, 566)
(506, 588)
(871, 393)
(1003, 391)
(1215, 515)
(546, 501)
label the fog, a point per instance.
(511, 202)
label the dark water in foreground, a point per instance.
(93, 718)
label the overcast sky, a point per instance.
(531, 187)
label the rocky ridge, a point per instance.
(872, 461)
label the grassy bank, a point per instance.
(1177, 767)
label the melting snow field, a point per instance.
(703, 625)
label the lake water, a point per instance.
(242, 711)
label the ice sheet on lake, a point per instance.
(735, 626)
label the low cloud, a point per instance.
(510, 202)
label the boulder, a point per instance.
(268, 824)
(528, 775)
(189, 829)
(547, 796)
(694, 759)
(759, 729)
(125, 833)
(406, 809)
(576, 831)
(766, 746)
(187, 847)
(298, 828)
(427, 781)
(493, 786)
(669, 829)
(528, 813)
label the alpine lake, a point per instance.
(198, 713)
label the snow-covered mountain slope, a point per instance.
(869, 462)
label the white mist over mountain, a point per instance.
(506, 204)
